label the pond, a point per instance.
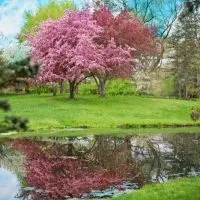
(93, 166)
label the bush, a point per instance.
(88, 88)
(113, 87)
(195, 114)
(193, 91)
(168, 87)
(40, 88)
(120, 87)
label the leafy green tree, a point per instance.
(185, 42)
(53, 10)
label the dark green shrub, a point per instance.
(193, 91)
(195, 114)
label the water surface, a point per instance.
(93, 166)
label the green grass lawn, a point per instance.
(47, 112)
(180, 189)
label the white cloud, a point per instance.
(11, 16)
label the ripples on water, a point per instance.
(93, 166)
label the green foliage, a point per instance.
(4, 105)
(39, 89)
(11, 122)
(185, 42)
(113, 87)
(9, 73)
(168, 86)
(180, 189)
(24, 68)
(45, 88)
(15, 73)
(53, 10)
(16, 123)
(121, 87)
(5, 73)
(88, 88)
(195, 114)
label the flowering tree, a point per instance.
(117, 62)
(15, 52)
(126, 32)
(58, 45)
(125, 29)
(69, 49)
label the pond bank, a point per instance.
(180, 189)
(100, 131)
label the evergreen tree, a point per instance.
(185, 42)
(10, 74)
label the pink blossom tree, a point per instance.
(109, 61)
(125, 29)
(69, 50)
(126, 32)
(58, 44)
(117, 61)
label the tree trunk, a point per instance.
(186, 92)
(179, 92)
(61, 87)
(17, 87)
(54, 90)
(27, 87)
(101, 87)
(72, 89)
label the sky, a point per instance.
(12, 15)
(8, 185)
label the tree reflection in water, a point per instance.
(56, 174)
(168, 156)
